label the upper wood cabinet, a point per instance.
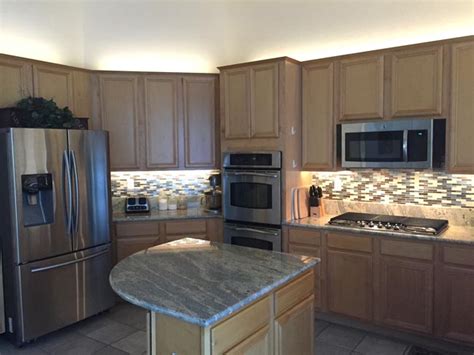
(199, 113)
(82, 94)
(162, 121)
(461, 147)
(250, 97)
(417, 82)
(16, 81)
(318, 120)
(54, 83)
(361, 88)
(119, 116)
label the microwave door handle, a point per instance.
(405, 145)
(269, 175)
(241, 229)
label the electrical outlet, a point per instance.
(293, 130)
(337, 184)
(294, 164)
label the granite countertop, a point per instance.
(454, 234)
(190, 213)
(200, 281)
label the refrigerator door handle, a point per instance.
(56, 266)
(67, 191)
(76, 191)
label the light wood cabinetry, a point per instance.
(417, 82)
(82, 94)
(16, 80)
(120, 116)
(162, 121)
(461, 157)
(235, 95)
(257, 344)
(54, 83)
(361, 87)
(318, 120)
(131, 237)
(454, 307)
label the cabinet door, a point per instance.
(455, 303)
(257, 344)
(235, 94)
(129, 246)
(15, 81)
(54, 83)
(119, 114)
(462, 108)
(199, 122)
(417, 83)
(264, 101)
(294, 330)
(310, 251)
(162, 121)
(406, 294)
(82, 93)
(349, 284)
(318, 125)
(361, 88)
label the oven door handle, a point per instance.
(269, 175)
(241, 229)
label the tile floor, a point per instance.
(121, 331)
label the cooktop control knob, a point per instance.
(380, 225)
(388, 225)
(363, 224)
(396, 227)
(371, 224)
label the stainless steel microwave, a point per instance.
(398, 144)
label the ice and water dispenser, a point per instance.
(38, 199)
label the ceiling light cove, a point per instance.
(33, 48)
(155, 61)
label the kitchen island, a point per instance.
(212, 298)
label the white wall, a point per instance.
(199, 35)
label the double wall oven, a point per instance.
(252, 199)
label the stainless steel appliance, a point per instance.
(137, 204)
(390, 223)
(252, 199)
(213, 197)
(55, 228)
(404, 144)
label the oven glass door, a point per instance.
(253, 237)
(252, 196)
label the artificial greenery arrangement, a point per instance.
(37, 112)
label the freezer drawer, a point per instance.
(61, 291)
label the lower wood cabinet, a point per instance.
(131, 245)
(257, 344)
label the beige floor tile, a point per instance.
(129, 314)
(135, 344)
(372, 345)
(328, 349)
(340, 336)
(109, 350)
(319, 326)
(7, 348)
(109, 331)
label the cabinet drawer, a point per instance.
(170, 238)
(349, 242)
(234, 330)
(294, 293)
(407, 249)
(304, 236)
(185, 227)
(130, 229)
(459, 255)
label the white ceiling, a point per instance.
(199, 35)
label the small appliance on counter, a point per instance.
(137, 205)
(213, 197)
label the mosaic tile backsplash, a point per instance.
(436, 189)
(152, 183)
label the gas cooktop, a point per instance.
(390, 223)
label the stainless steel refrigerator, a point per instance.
(54, 227)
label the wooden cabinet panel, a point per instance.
(257, 344)
(264, 101)
(410, 249)
(294, 330)
(161, 121)
(458, 255)
(461, 157)
(349, 284)
(215, 229)
(119, 116)
(455, 303)
(349, 242)
(304, 236)
(318, 121)
(406, 294)
(82, 93)
(186, 227)
(361, 88)
(130, 229)
(417, 84)
(129, 246)
(15, 81)
(199, 121)
(294, 293)
(236, 98)
(54, 83)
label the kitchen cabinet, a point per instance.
(361, 87)
(119, 108)
(318, 120)
(131, 237)
(257, 344)
(82, 93)
(55, 83)
(461, 157)
(16, 78)
(191, 228)
(454, 311)
(417, 82)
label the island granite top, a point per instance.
(202, 282)
(190, 213)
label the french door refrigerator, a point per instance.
(54, 228)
